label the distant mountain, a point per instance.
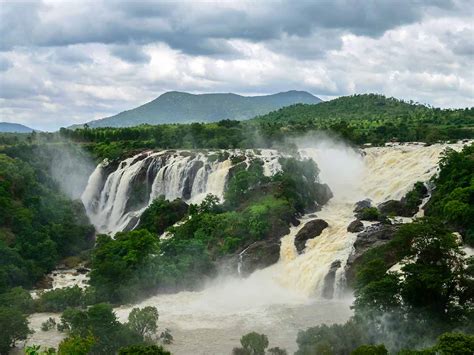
(181, 107)
(6, 127)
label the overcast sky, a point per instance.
(73, 61)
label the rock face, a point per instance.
(375, 235)
(259, 255)
(330, 279)
(310, 230)
(323, 193)
(355, 226)
(392, 207)
(362, 205)
(409, 204)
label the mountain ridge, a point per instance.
(9, 127)
(183, 107)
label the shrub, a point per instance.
(59, 299)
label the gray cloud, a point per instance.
(70, 62)
(194, 28)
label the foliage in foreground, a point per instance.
(453, 197)
(14, 327)
(97, 330)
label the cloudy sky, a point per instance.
(65, 62)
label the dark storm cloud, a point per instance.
(196, 28)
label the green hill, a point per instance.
(370, 107)
(180, 107)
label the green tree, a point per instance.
(14, 326)
(36, 350)
(277, 351)
(18, 298)
(76, 345)
(253, 344)
(370, 350)
(143, 350)
(455, 343)
(143, 321)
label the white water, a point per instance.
(286, 297)
(172, 174)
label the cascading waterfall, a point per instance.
(114, 200)
(379, 174)
(286, 296)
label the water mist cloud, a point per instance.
(341, 166)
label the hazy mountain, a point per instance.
(6, 127)
(181, 107)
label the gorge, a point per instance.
(298, 291)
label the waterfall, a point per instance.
(379, 174)
(115, 199)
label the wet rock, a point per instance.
(140, 187)
(295, 221)
(355, 226)
(374, 236)
(310, 230)
(362, 205)
(131, 224)
(191, 175)
(82, 270)
(392, 207)
(323, 194)
(259, 255)
(330, 280)
(409, 204)
(44, 283)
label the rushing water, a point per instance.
(282, 298)
(172, 174)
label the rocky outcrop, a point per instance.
(375, 235)
(191, 175)
(392, 207)
(362, 205)
(355, 226)
(310, 230)
(259, 255)
(323, 194)
(46, 282)
(409, 204)
(330, 280)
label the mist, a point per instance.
(341, 166)
(70, 166)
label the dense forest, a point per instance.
(358, 119)
(428, 304)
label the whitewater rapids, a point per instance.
(286, 297)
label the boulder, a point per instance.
(392, 207)
(362, 205)
(355, 226)
(295, 221)
(374, 236)
(330, 280)
(259, 255)
(82, 270)
(323, 194)
(310, 230)
(408, 205)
